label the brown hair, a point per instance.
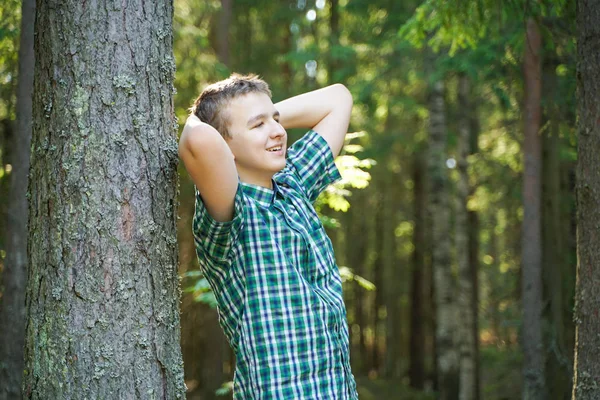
(211, 104)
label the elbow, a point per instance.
(343, 94)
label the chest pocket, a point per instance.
(312, 243)
(320, 260)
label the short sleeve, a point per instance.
(214, 239)
(312, 161)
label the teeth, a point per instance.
(275, 148)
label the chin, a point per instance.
(276, 170)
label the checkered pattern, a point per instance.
(278, 288)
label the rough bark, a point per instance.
(416, 371)
(467, 363)
(586, 385)
(532, 343)
(445, 308)
(103, 291)
(14, 276)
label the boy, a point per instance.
(259, 240)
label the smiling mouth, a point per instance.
(276, 148)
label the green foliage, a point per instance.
(200, 288)
(10, 17)
(354, 175)
(348, 276)
(225, 389)
(464, 24)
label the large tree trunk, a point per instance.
(416, 371)
(103, 292)
(12, 310)
(445, 309)
(586, 385)
(533, 363)
(468, 378)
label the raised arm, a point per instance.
(327, 111)
(210, 163)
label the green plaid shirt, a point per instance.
(278, 288)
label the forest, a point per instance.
(465, 225)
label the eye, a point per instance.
(258, 125)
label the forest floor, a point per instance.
(500, 377)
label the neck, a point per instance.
(266, 181)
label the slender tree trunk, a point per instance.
(103, 291)
(378, 300)
(416, 372)
(357, 260)
(494, 251)
(7, 133)
(468, 385)
(533, 363)
(12, 310)
(286, 66)
(390, 287)
(473, 232)
(446, 316)
(473, 220)
(223, 31)
(559, 362)
(334, 39)
(586, 385)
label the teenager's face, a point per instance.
(258, 141)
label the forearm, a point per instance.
(308, 109)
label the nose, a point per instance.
(278, 130)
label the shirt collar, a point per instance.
(262, 195)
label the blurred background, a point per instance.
(427, 223)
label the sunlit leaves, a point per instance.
(441, 23)
(200, 288)
(225, 389)
(349, 276)
(10, 19)
(354, 175)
